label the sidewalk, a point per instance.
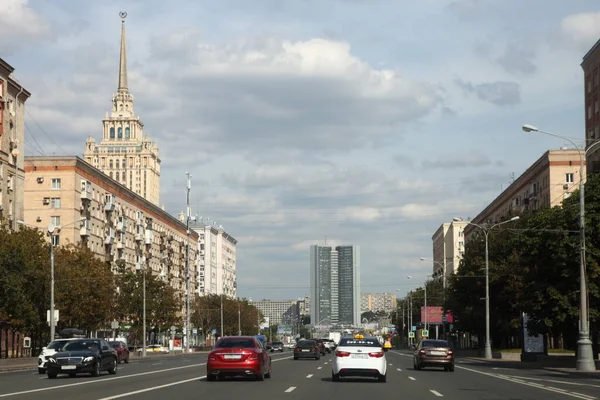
(27, 363)
(562, 364)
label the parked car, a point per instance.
(154, 348)
(83, 356)
(433, 353)
(307, 348)
(238, 356)
(122, 351)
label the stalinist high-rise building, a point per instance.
(125, 153)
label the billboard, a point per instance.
(435, 315)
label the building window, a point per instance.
(110, 164)
(111, 175)
(55, 220)
(55, 240)
(127, 133)
(589, 112)
(112, 133)
(55, 202)
(56, 183)
(569, 177)
(120, 133)
(123, 177)
(117, 164)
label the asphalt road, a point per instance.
(183, 377)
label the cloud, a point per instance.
(404, 160)
(459, 161)
(19, 23)
(500, 93)
(517, 60)
(582, 30)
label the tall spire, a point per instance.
(123, 56)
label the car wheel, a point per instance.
(451, 368)
(211, 377)
(295, 358)
(52, 376)
(317, 358)
(382, 378)
(96, 371)
(113, 369)
(41, 371)
(127, 359)
(261, 375)
(335, 377)
(268, 374)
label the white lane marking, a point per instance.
(399, 369)
(126, 394)
(530, 378)
(97, 381)
(411, 378)
(290, 389)
(156, 364)
(391, 364)
(319, 367)
(326, 363)
(506, 369)
(309, 375)
(438, 394)
(152, 388)
(531, 384)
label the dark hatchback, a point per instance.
(83, 356)
(307, 348)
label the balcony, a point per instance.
(85, 228)
(120, 245)
(121, 224)
(149, 237)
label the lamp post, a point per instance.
(53, 230)
(585, 354)
(486, 232)
(188, 333)
(239, 319)
(425, 322)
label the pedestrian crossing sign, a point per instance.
(425, 333)
(411, 335)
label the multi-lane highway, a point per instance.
(183, 377)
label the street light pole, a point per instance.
(222, 315)
(239, 319)
(52, 327)
(187, 267)
(585, 353)
(486, 231)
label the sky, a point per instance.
(367, 122)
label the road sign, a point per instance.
(411, 335)
(414, 328)
(425, 333)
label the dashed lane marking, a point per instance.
(319, 367)
(290, 389)
(309, 375)
(411, 378)
(438, 394)
(399, 369)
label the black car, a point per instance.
(83, 356)
(307, 348)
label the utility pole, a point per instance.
(187, 266)
(239, 319)
(222, 315)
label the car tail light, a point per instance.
(253, 356)
(296, 350)
(422, 352)
(342, 354)
(316, 349)
(376, 355)
(212, 357)
(450, 352)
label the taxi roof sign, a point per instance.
(358, 336)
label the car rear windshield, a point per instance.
(307, 343)
(235, 343)
(434, 343)
(360, 342)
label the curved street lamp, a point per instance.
(486, 232)
(585, 353)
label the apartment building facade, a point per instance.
(12, 138)
(546, 183)
(118, 225)
(448, 248)
(591, 84)
(375, 302)
(279, 312)
(217, 259)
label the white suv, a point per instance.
(52, 348)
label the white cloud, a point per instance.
(582, 29)
(19, 23)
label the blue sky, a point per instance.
(368, 122)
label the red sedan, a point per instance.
(238, 356)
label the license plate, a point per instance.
(361, 356)
(438, 353)
(305, 350)
(232, 356)
(69, 367)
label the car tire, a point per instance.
(260, 376)
(382, 378)
(451, 368)
(268, 374)
(96, 371)
(317, 358)
(295, 358)
(113, 369)
(335, 377)
(127, 359)
(211, 377)
(41, 371)
(52, 376)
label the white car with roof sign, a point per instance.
(361, 357)
(48, 351)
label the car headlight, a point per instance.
(52, 360)
(88, 359)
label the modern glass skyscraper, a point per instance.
(335, 285)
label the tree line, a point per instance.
(89, 295)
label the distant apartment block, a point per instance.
(448, 248)
(217, 259)
(378, 302)
(12, 140)
(591, 73)
(335, 285)
(119, 226)
(550, 180)
(279, 312)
